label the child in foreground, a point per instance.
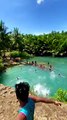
(27, 102)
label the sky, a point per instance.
(34, 16)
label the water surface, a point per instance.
(42, 81)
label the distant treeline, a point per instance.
(52, 44)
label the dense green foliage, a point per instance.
(61, 95)
(52, 44)
(1, 65)
(15, 54)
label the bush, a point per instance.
(61, 95)
(0, 60)
(24, 55)
(1, 67)
(14, 54)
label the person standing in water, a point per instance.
(27, 102)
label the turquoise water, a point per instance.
(42, 81)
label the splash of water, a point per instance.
(40, 90)
(52, 75)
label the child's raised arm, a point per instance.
(44, 100)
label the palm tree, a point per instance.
(4, 38)
(18, 40)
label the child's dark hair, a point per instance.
(22, 91)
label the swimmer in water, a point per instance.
(60, 75)
(50, 67)
(18, 78)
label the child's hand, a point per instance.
(57, 103)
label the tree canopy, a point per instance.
(52, 44)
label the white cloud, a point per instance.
(39, 1)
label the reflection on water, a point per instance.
(42, 81)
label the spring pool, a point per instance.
(42, 81)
